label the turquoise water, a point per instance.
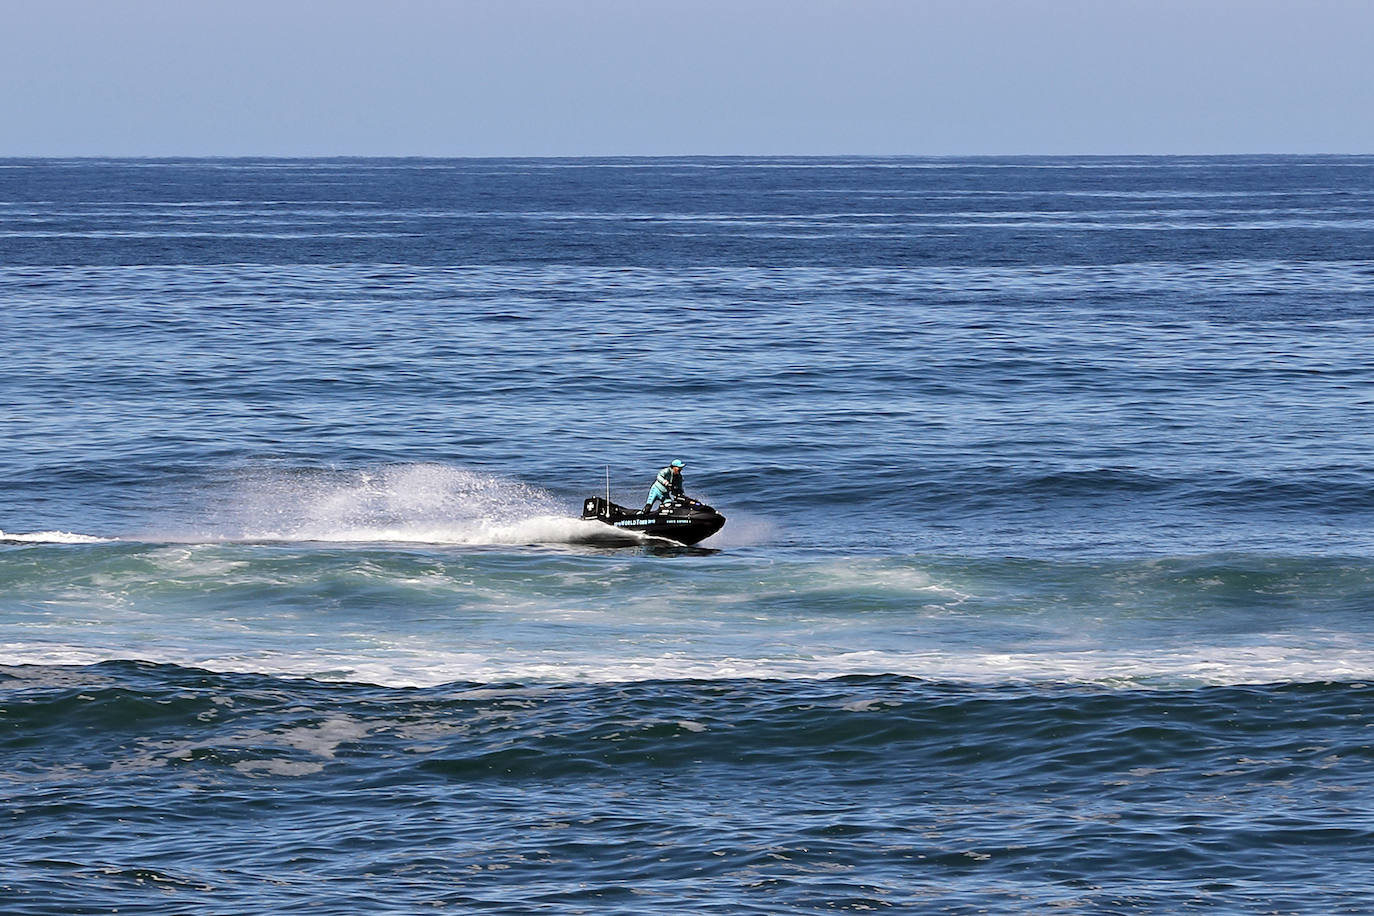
(1047, 580)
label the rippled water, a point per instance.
(760, 796)
(1046, 584)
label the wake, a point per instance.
(403, 504)
(418, 503)
(52, 537)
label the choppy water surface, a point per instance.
(1048, 581)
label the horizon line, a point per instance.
(8, 157)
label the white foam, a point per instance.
(417, 665)
(403, 504)
(54, 537)
(416, 503)
(544, 529)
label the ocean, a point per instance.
(1047, 581)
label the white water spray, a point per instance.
(419, 503)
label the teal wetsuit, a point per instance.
(666, 485)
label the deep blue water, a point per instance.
(1047, 582)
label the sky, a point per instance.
(692, 77)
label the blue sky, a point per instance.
(643, 77)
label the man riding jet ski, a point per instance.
(667, 486)
(677, 518)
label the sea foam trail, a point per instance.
(415, 503)
(52, 537)
(404, 504)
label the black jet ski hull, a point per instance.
(686, 521)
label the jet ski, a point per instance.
(683, 519)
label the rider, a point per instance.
(667, 486)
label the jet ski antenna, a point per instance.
(608, 488)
